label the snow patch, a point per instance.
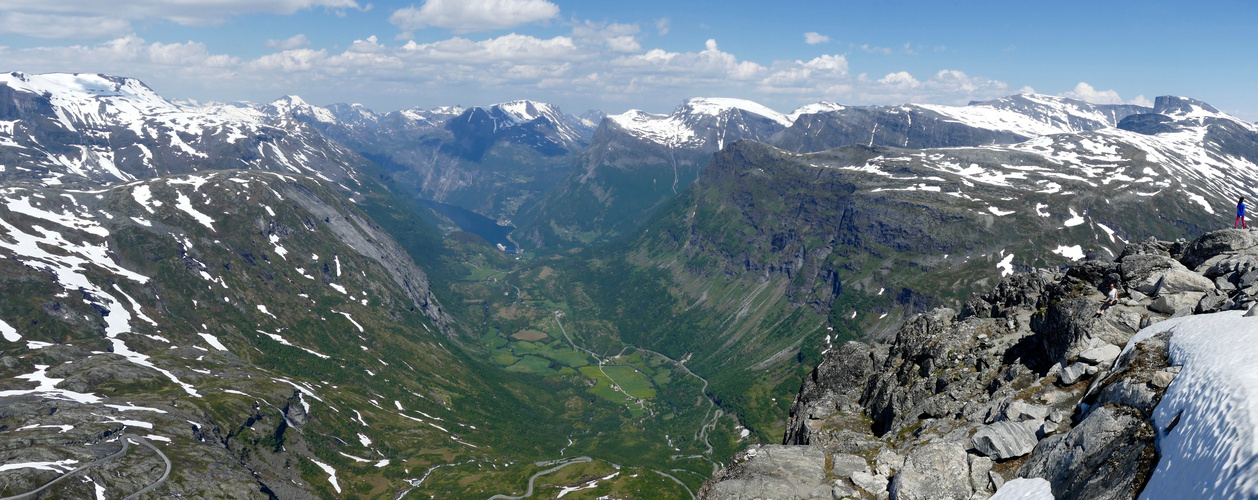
(1072, 252)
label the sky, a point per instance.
(646, 54)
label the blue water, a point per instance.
(475, 223)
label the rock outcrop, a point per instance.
(1030, 380)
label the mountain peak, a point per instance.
(717, 105)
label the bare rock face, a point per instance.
(934, 471)
(772, 471)
(1006, 439)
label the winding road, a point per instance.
(126, 445)
(529, 493)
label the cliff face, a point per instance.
(1025, 381)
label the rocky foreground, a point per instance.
(1027, 381)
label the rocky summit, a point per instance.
(1035, 379)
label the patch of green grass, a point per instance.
(632, 381)
(533, 364)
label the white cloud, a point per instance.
(96, 19)
(662, 26)
(1140, 100)
(297, 41)
(814, 38)
(463, 16)
(621, 38)
(1087, 93)
(62, 26)
(875, 50)
(900, 79)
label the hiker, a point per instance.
(1110, 300)
(1240, 214)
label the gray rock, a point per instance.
(1162, 379)
(1171, 303)
(1048, 427)
(1226, 241)
(1253, 311)
(979, 480)
(934, 471)
(1143, 272)
(845, 465)
(1104, 355)
(1003, 440)
(1182, 280)
(887, 462)
(1073, 373)
(1212, 301)
(1019, 411)
(772, 471)
(1224, 283)
(1136, 295)
(1097, 459)
(1221, 265)
(996, 480)
(840, 490)
(871, 483)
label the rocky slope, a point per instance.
(1028, 380)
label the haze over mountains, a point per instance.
(256, 289)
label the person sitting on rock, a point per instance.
(1110, 300)
(1240, 215)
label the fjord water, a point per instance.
(475, 223)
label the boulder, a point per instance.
(1221, 265)
(979, 467)
(1005, 439)
(1226, 241)
(873, 484)
(1172, 303)
(1019, 411)
(1142, 272)
(1098, 459)
(1072, 373)
(1103, 355)
(1212, 301)
(772, 471)
(1182, 280)
(845, 465)
(934, 471)
(1150, 246)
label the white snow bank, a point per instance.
(10, 334)
(1072, 252)
(48, 388)
(1025, 489)
(1211, 409)
(331, 474)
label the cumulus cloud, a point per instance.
(1140, 100)
(464, 16)
(1087, 93)
(597, 62)
(95, 19)
(814, 38)
(900, 79)
(294, 42)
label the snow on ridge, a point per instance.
(717, 105)
(1212, 450)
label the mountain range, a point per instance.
(256, 290)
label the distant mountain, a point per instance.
(636, 161)
(72, 129)
(492, 160)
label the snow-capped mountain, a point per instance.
(706, 123)
(78, 128)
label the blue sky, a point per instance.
(646, 54)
